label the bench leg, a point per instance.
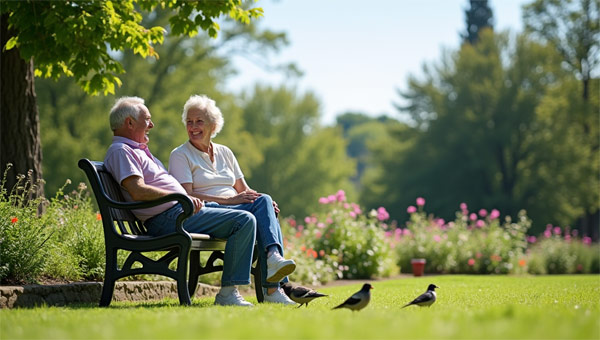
(194, 271)
(110, 272)
(182, 270)
(257, 272)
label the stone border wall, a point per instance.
(89, 292)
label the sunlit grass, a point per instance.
(549, 307)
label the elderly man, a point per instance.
(143, 177)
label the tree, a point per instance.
(480, 136)
(75, 39)
(75, 125)
(478, 17)
(301, 161)
(572, 27)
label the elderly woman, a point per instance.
(210, 172)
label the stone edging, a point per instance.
(89, 292)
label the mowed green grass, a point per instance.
(468, 307)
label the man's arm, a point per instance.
(140, 191)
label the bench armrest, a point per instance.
(184, 200)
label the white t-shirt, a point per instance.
(190, 165)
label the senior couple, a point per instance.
(208, 173)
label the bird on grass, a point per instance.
(299, 294)
(425, 299)
(358, 300)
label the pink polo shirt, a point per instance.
(126, 158)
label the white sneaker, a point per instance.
(278, 297)
(278, 267)
(233, 299)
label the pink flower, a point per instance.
(307, 220)
(406, 231)
(420, 201)
(388, 234)
(352, 214)
(341, 196)
(482, 212)
(331, 198)
(587, 240)
(480, 223)
(440, 221)
(300, 227)
(568, 238)
(494, 214)
(321, 225)
(323, 200)
(471, 262)
(356, 208)
(547, 233)
(473, 216)
(463, 206)
(531, 239)
(346, 205)
(437, 238)
(329, 220)
(318, 234)
(411, 209)
(382, 214)
(548, 226)
(557, 230)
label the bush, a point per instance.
(342, 241)
(64, 242)
(560, 251)
(22, 233)
(472, 243)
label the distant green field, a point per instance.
(468, 307)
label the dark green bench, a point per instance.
(123, 231)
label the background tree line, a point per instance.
(506, 121)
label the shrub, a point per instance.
(560, 251)
(343, 242)
(22, 233)
(472, 243)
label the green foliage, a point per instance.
(479, 16)
(64, 242)
(75, 125)
(472, 243)
(299, 159)
(22, 232)
(468, 307)
(554, 254)
(76, 38)
(350, 243)
(480, 136)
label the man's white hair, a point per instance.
(206, 105)
(123, 108)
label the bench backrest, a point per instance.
(107, 191)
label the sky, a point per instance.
(356, 54)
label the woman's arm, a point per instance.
(240, 198)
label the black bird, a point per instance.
(425, 299)
(359, 300)
(299, 294)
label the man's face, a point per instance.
(140, 126)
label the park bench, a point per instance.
(123, 231)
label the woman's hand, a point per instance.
(276, 207)
(247, 196)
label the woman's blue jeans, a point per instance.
(237, 227)
(268, 230)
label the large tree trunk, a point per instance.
(20, 125)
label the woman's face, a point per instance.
(199, 128)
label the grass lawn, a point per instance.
(468, 307)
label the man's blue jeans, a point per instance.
(237, 227)
(268, 230)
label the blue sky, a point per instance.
(356, 54)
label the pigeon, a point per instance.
(299, 294)
(359, 300)
(425, 299)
